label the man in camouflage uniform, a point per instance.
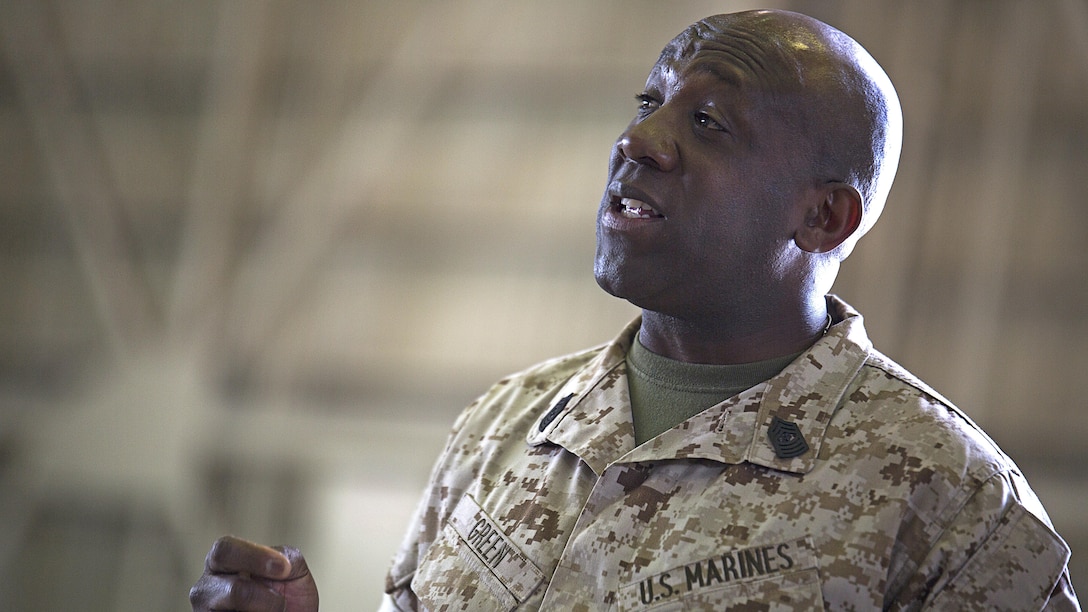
(741, 445)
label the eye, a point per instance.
(703, 119)
(646, 103)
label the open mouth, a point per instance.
(635, 209)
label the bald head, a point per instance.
(834, 96)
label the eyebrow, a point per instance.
(718, 69)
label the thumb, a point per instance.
(295, 567)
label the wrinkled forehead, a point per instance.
(739, 51)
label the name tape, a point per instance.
(481, 535)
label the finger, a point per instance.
(233, 592)
(231, 555)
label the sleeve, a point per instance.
(422, 530)
(447, 478)
(389, 605)
(1063, 599)
(999, 552)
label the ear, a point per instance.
(834, 216)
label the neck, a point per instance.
(733, 339)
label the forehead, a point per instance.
(737, 55)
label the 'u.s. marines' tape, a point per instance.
(481, 535)
(731, 566)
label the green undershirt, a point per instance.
(666, 392)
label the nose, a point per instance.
(649, 142)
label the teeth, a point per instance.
(636, 209)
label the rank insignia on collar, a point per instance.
(554, 412)
(786, 439)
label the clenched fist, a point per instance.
(247, 577)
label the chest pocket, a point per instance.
(780, 577)
(473, 565)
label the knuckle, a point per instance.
(237, 593)
(201, 595)
(218, 553)
(219, 545)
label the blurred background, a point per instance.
(256, 256)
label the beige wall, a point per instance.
(257, 255)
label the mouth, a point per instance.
(634, 209)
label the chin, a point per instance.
(632, 279)
(614, 285)
(615, 272)
(606, 279)
(632, 292)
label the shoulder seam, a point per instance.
(883, 363)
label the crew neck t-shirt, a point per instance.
(666, 392)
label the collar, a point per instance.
(591, 413)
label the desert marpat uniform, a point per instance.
(879, 494)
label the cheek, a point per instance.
(781, 261)
(748, 235)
